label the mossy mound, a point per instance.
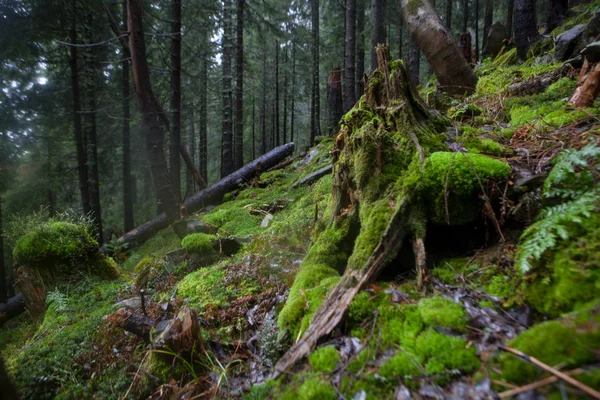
(198, 243)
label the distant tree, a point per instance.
(556, 14)
(360, 46)
(3, 286)
(276, 132)
(487, 20)
(334, 99)
(350, 61)
(315, 106)
(203, 105)
(128, 223)
(449, 15)
(439, 47)
(239, 88)
(465, 25)
(227, 137)
(509, 17)
(175, 131)
(377, 28)
(526, 32)
(414, 61)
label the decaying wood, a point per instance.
(213, 194)
(313, 177)
(138, 324)
(31, 285)
(287, 162)
(13, 307)
(191, 166)
(334, 308)
(594, 394)
(536, 385)
(589, 87)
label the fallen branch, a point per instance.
(560, 375)
(139, 325)
(13, 307)
(536, 385)
(211, 195)
(313, 177)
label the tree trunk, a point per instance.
(127, 191)
(227, 137)
(377, 29)
(439, 47)
(203, 109)
(263, 107)
(292, 108)
(239, 88)
(276, 133)
(509, 17)
(588, 85)
(334, 99)
(414, 62)
(15, 306)
(151, 112)
(476, 58)
(213, 194)
(175, 132)
(3, 283)
(91, 83)
(465, 26)
(487, 20)
(526, 32)
(362, 247)
(400, 31)
(556, 14)
(315, 106)
(360, 46)
(350, 61)
(253, 127)
(448, 15)
(285, 95)
(82, 169)
(465, 46)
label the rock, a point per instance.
(592, 30)
(309, 157)
(175, 257)
(133, 303)
(592, 52)
(266, 220)
(227, 246)
(495, 40)
(195, 226)
(567, 42)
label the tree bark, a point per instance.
(263, 107)
(82, 169)
(151, 112)
(377, 29)
(285, 95)
(276, 133)
(175, 131)
(439, 47)
(449, 15)
(525, 27)
(509, 17)
(477, 31)
(360, 47)
(227, 136)
(13, 307)
(334, 99)
(414, 61)
(315, 106)
(203, 109)
(3, 283)
(556, 14)
(292, 107)
(487, 20)
(239, 88)
(400, 31)
(253, 127)
(350, 62)
(127, 192)
(465, 27)
(588, 85)
(212, 194)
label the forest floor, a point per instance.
(522, 274)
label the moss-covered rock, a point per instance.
(198, 243)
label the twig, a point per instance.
(536, 385)
(560, 375)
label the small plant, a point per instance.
(117, 249)
(572, 187)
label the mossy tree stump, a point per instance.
(380, 197)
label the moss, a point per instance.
(261, 391)
(372, 384)
(144, 263)
(448, 270)
(502, 286)
(324, 359)
(199, 243)
(156, 247)
(568, 342)
(401, 365)
(316, 389)
(468, 131)
(55, 244)
(363, 305)
(562, 88)
(483, 146)
(443, 311)
(466, 170)
(498, 75)
(464, 112)
(413, 6)
(233, 219)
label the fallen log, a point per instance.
(313, 177)
(13, 307)
(211, 195)
(138, 324)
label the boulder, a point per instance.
(495, 40)
(566, 43)
(592, 30)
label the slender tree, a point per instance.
(350, 59)
(239, 87)
(439, 47)
(465, 25)
(227, 137)
(263, 106)
(526, 32)
(360, 46)
(285, 93)
(377, 28)
(315, 107)
(400, 31)
(82, 168)
(153, 116)
(128, 223)
(556, 14)
(175, 131)
(487, 20)
(414, 61)
(276, 132)
(253, 128)
(449, 15)
(3, 286)
(292, 107)
(203, 107)
(509, 17)
(476, 6)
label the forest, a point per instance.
(288, 199)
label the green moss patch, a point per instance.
(198, 243)
(324, 359)
(443, 311)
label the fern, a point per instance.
(58, 300)
(572, 181)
